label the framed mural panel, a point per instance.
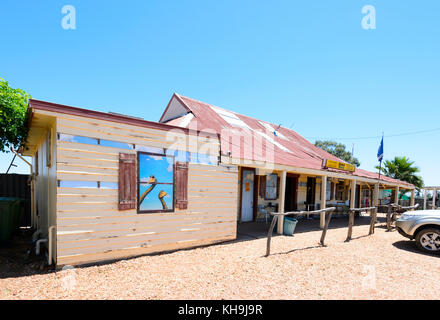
(271, 186)
(155, 182)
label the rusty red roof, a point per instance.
(251, 139)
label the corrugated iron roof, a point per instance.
(286, 148)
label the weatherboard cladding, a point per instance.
(113, 117)
(90, 225)
(295, 151)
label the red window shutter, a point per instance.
(181, 185)
(262, 186)
(127, 181)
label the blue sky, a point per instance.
(308, 65)
(160, 167)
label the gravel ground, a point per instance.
(382, 266)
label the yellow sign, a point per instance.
(338, 165)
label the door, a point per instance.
(358, 196)
(290, 202)
(311, 187)
(247, 195)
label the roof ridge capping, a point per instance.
(111, 116)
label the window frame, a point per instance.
(138, 183)
(340, 191)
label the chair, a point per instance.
(309, 207)
(262, 213)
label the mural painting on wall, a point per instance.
(271, 186)
(156, 182)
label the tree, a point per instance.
(338, 150)
(402, 168)
(13, 116)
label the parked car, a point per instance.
(423, 226)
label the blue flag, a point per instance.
(380, 151)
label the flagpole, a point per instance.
(381, 158)
(380, 167)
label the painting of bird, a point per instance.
(151, 180)
(163, 194)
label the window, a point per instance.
(155, 182)
(271, 186)
(77, 184)
(340, 191)
(115, 144)
(202, 158)
(179, 155)
(87, 184)
(77, 139)
(108, 185)
(94, 141)
(149, 149)
(328, 191)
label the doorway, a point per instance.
(358, 196)
(310, 197)
(291, 196)
(247, 194)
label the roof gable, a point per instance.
(176, 108)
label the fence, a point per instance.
(328, 213)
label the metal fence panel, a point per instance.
(16, 185)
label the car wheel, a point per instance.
(428, 240)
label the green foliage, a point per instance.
(338, 150)
(13, 116)
(402, 168)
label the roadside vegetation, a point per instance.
(338, 150)
(402, 168)
(13, 116)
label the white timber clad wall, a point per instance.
(90, 227)
(45, 185)
(42, 190)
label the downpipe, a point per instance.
(48, 241)
(38, 245)
(49, 262)
(36, 234)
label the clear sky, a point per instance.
(308, 65)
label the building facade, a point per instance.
(109, 186)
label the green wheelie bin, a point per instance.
(11, 209)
